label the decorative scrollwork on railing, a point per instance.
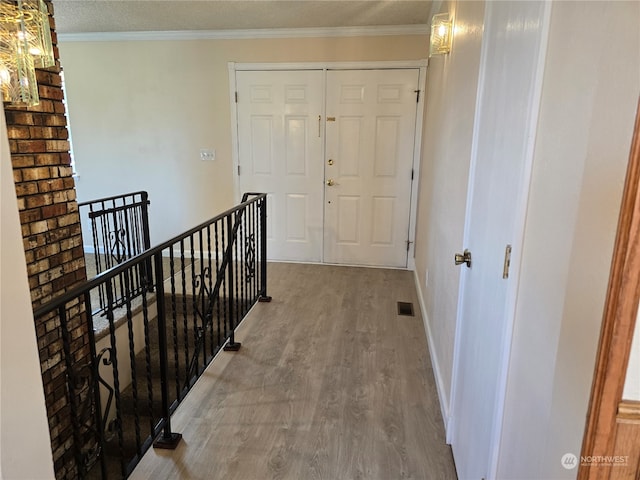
(117, 245)
(83, 381)
(250, 257)
(203, 295)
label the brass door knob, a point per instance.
(330, 183)
(464, 257)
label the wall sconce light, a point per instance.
(25, 43)
(441, 35)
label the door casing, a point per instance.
(421, 65)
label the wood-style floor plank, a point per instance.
(330, 384)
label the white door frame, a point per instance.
(516, 255)
(324, 66)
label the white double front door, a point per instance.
(334, 151)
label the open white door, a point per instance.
(509, 92)
(280, 144)
(371, 123)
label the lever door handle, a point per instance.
(464, 257)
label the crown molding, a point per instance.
(369, 31)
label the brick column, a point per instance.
(52, 239)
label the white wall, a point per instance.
(141, 111)
(25, 446)
(590, 92)
(450, 108)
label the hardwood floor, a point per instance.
(330, 383)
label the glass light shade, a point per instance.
(36, 22)
(17, 69)
(441, 35)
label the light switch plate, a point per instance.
(207, 155)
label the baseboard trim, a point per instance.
(442, 395)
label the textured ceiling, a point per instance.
(81, 16)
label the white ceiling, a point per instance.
(83, 16)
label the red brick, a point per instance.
(38, 227)
(45, 91)
(55, 120)
(45, 106)
(68, 219)
(54, 210)
(18, 133)
(48, 159)
(39, 200)
(31, 146)
(21, 161)
(18, 118)
(29, 188)
(38, 267)
(61, 196)
(62, 133)
(57, 145)
(29, 216)
(36, 173)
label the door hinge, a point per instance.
(412, 174)
(238, 170)
(236, 97)
(409, 242)
(417, 96)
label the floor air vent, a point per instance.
(405, 308)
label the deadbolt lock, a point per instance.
(464, 257)
(330, 161)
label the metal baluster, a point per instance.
(217, 300)
(263, 251)
(194, 305)
(242, 263)
(231, 345)
(236, 275)
(184, 314)
(211, 299)
(128, 274)
(254, 232)
(116, 378)
(136, 247)
(105, 255)
(203, 336)
(146, 237)
(99, 427)
(168, 439)
(147, 353)
(132, 358)
(174, 321)
(72, 382)
(225, 281)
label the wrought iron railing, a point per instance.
(119, 231)
(122, 394)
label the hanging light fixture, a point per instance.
(441, 34)
(25, 43)
(38, 32)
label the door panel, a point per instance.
(280, 153)
(501, 135)
(369, 152)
